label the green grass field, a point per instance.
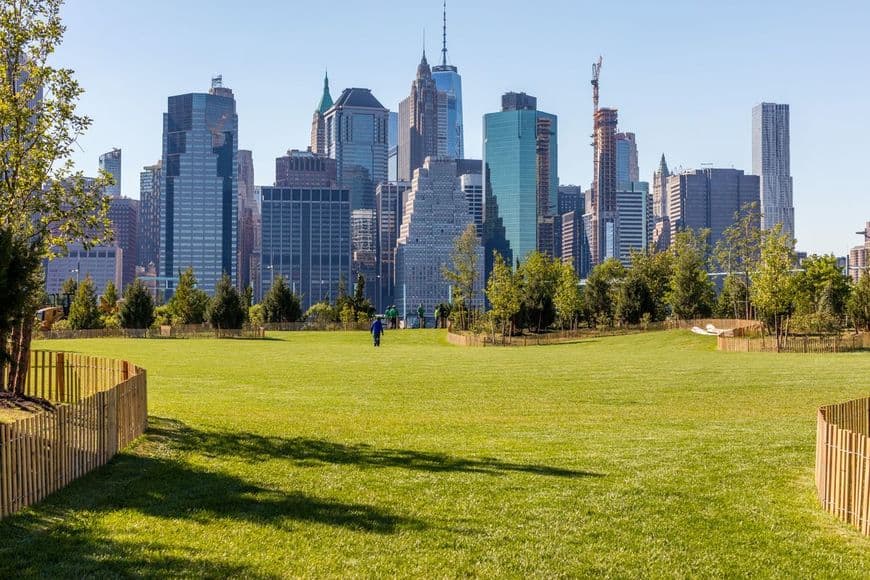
(314, 454)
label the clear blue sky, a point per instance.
(684, 75)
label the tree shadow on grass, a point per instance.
(65, 536)
(253, 447)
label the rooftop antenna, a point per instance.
(444, 37)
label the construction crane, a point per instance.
(596, 72)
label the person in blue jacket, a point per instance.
(377, 330)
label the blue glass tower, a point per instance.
(520, 156)
(447, 79)
(198, 210)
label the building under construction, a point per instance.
(602, 235)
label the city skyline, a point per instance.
(711, 123)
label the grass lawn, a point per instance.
(315, 454)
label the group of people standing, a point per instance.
(391, 314)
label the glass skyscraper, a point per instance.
(111, 163)
(771, 161)
(521, 160)
(447, 80)
(198, 209)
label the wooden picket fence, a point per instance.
(843, 461)
(796, 344)
(101, 406)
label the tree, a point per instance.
(137, 311)
(43, 202)
(539, 275)
(772, 288)
(691, 293)
(359, 303)
(188, 304)
(502, 292)
(602, 291)
(568, 299)
(654, 270)
(280, 304)
(109, 299)
(737, 253)
(84, 313)
(226, 310)
(464, 274)
(69, 286)
(821, 294)
(17, 266)
(635, 301)
(859, 303)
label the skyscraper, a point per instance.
(124, 216)
(318, 124)
(569, 198)
(521, 160)
(305, 169)
(357, 137)
(436, 213)
(111, 163)
(249, 218)
(199, 211)
(634, 215)
(393, 147)
(448, 80)
(627, 170)
(602, 235)
(420, 117)
(771, 161)
(709, 199)
(306, 239)
(150, 184)
(390, 200)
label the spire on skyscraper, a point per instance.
(444, 37)
(325, 99)
(663, 166)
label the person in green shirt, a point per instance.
(421, 314)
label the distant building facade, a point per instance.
(249, 219)
(521, 160)
(357, 133)
(771, 161)
(661, 236)
(102, 263)
(448, 81)
(306, 239)
(318, 122)
(305, 169)
(435, 214)
(627, 170)
(601, 231)
(110, 162)
(199, 210)
(390, 198)
(124, 216)
(422, 122)
(709, 199)
(150, 185)
(634, 219)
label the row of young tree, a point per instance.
(760, 279)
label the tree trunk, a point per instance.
(4, 344)
(20, 366)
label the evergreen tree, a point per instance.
(503, 293)
(226, 310)
(137, 311)
(691, 293)
(84, 314)
(280, 304)
(109, 299)
(859, 303)
(188, 304)
(69, 286)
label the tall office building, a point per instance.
(521, 161)
(124, 216)
(661, 236)
(390, 198)
(627, 170)
(569, 198)
(771, 161)
(364, 251)
(102, 263)
(110, 162)
(573, 242)
(634, 217)
(393, 147)
(305, 169)
(318, 123)
(859, 256)
(150, 184)
(199, 212)
(436, 213)
(602, 234)
(357, 137)
(249, 219)
(306, 239)
(448, 81)
(421, 115)
(709, 199)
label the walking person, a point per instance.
(437, 316)
(377, 330)
(421, 315)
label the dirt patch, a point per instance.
(15, 407)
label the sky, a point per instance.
(684, 75)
